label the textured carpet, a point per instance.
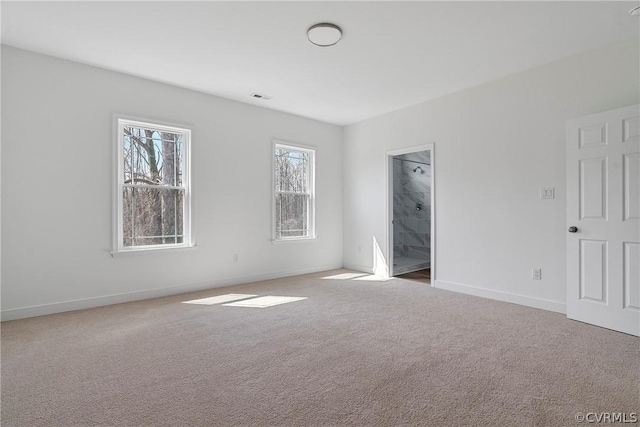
(354, 353)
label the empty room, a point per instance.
(320, 213)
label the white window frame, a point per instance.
(118, 236)
(312, 190)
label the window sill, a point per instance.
(295, 239)
(139, 251)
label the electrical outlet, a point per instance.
(359, 248)
(236, 257)
(536, 274)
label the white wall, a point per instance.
(495, 146)
(58, 143)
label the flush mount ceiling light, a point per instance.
(635, 11)
(324, 34)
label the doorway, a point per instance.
(411, 213)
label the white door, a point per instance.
(603, 219)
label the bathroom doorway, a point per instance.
(411, 213)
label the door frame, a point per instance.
(389, 199)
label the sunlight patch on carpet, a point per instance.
(373, 278)
(219, 299)
(345, 276)
(358, 276)
(263, 302)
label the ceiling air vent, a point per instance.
(260, 96)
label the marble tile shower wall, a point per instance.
(412, 227)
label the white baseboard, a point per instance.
(81, 304)
(357, 267)
(558, 307)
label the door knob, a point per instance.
(573, 229)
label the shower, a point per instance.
(411, 227)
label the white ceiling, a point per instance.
(393, 54)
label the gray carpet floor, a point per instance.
(354, 353)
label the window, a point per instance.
(293, 200)
(153, 194)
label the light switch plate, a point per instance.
(547, 193)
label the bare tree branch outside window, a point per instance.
(153, 192)
(292, 193)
